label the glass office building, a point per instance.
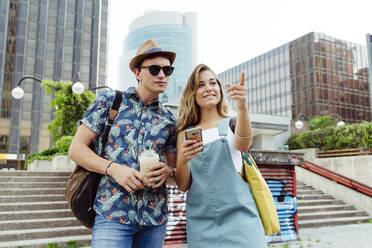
(268, 81)
(314, 75)
(172, 31)
(369, 50)
(48, 40)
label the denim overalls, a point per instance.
(221, 211)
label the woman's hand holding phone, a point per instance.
(191, 148)
(193, 144)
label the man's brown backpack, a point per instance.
(82, 185)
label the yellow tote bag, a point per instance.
(262, 195)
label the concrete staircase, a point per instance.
(34, 212)
(316, 209)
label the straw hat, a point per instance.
(148, 48)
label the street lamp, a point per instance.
(100, 87)
(340, 123)
(300, 124)
(18, 91)
(77, 87)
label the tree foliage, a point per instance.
(47, 154)
(322, 122)
(68, 108)
(334, 138)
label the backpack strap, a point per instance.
(112, 114)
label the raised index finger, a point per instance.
(242, 78)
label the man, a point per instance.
(130, 212)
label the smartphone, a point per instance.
(194, 134)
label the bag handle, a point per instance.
(248, 159)
(111, 116)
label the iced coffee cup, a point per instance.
(147, 159)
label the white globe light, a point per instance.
(299, 124)
(78, 88)
(340, 124)
(17, 92)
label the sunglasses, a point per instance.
(155, 69)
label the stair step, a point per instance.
(38, 223)
(301, 203)
(12, 185)
(321, 208)
(299, 183)
(35, 214)
(308, 192)
(42, 233)
(33, 206)
(331, 214)
(31, 198)
(332, 222)
(37, 243)
(33, 179)
(304, 187)
(33, 191)
(314, 197)
(23, 173)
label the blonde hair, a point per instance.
(189, 111)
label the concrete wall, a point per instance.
(263, 141)
(349, 196)
(358, 168)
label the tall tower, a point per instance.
(46, 39)
(172, 31)
(369, 50)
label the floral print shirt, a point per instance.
(135, 128)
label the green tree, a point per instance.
(293, 142)
(334, 138)
(321, 122)
(68, 108)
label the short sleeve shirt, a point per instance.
(136, 127)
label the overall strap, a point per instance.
(222, 127)
(112, 114)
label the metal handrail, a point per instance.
(360, 187)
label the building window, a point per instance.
(4, 140)
(24, 144)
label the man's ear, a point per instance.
(136, 72)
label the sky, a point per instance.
(235, 31)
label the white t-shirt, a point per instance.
(212, 134)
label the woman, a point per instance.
(221, 211)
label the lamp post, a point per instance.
(97, 88)
(300, 124)
(100, 87)
(340, 123)
(15, 118)
(18, 91)
(77, 87)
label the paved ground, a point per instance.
(347, 236)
